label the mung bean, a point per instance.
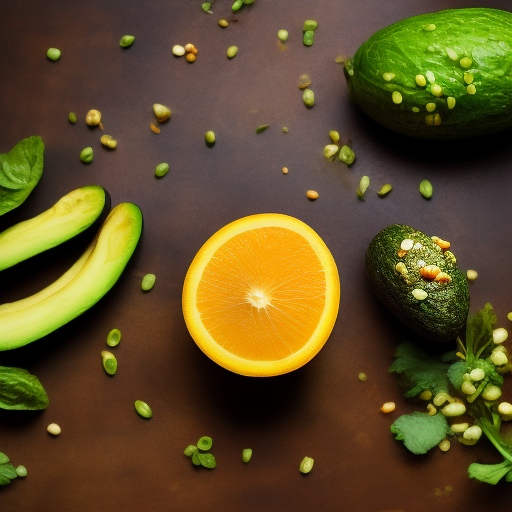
(385, 190)
(143, 409)
(148, 282)
(335, 136)
(126, 41)
(72, 117)
(114, 337)
(426, 189)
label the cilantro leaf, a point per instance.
(20, 390)
(491, 473)
(419, 431)
(419, 367)
(456, 373)
(7, 470)
(479, 329)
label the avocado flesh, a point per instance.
(70, 216)
(92, 276)
(444, 311)
(413, 47)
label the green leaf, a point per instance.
(7, 470)
(419, 431)
(419, 367)
(207, 460)
(20, 390)
(456, 373)
(479, 329)
(490, 473)
(20, 170)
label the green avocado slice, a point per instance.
(84, 284)
(440, 309)
(71, 215)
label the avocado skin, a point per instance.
(407, 49)
(443, 313)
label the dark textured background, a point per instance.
(108, 458)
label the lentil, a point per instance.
(54, 429)
(285, 129)
(232, 51)
(246, 455)
(312, 195)
(143, 409)
(53, 54)
(72, 117)
(306, 465)
(388, 407)
(161, 170)
(148, 282)
(113, 338)
(126, 41)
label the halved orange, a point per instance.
(262, 295)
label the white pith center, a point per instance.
(257, 298)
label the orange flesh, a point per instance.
(262, 294)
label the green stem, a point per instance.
(483, 348)
(494, 437)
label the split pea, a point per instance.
(87, 155)
(246, 455)
(330, 150)
(347, 155)
(426, 189)
(143, 409)
(335, 136)
(114, 337)
(363, 186)
(72, 117)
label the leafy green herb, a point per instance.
(419, 431)
(20, 170)
(421, 369)
(7, 470)
(491, 473)
(20, 390)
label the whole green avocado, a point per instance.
(417, 279)
(443, 75)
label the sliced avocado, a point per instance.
(84, 284)
(71, 215)
(422, 285)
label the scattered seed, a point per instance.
(190, 48)
(509, 316)
(430, 77)
(308, 97)
(237, 5)
(505, 408)
(206, 6)
(246, 455)
(347, 155)
(340, 59)
(454, 409)
(54, 429)
(162, 112)
(429, 28)
(477, 374)
(421, 81)
(499, 335)
(223, 23)
(108, 141)
(189, 450)
(232, 51)
(109, 362)
(178, 50)
(419, 294)
(473, 433)
(406, 244)
(335, 136)
(466, 62)
(467, 388)
(499, 358)
(429, 271)
(459, 427)
(388, 76)
(113, 338)
(285, 170)
(432, 411)
(87, 155)
(396, 97)
(262, 128)
(93, 117)
(210, 137)
(308, 37)
(441, 398)
(126, 41)
(330, 150)
(306, 465)
(285, 129)
(450, 102)
(309, 25)
(436, 90)
(415, 109)
(282, 35)
(444, 445)
(363, 186)
(148, 282)
(425, 395)
(385, 190)
(195, 458)
(471, 275)
(468, 77)
(53, 53)
(207, 460)
(304, 81)
(401, 268)
(161, 170)
(72, 117)
(154, 128)
(388, 407)
(205, 443)
(362, 377)
(471, 89)
(430, 107)
(426, 189)
(190, 57)
(143, 409)
(312, 194)
(21, 471)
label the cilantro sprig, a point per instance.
(7, 470)
(434, 376)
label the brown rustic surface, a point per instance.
(107, 457)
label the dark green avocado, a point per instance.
(441, 75)
(76, 212)
(418, 281)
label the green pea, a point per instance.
(282, 35)
(385, 190)
(207, 460)
(148, 282)
(109, 362)
(206, 7)
(262, 128)
(126, 41)
(306, 465)
(189, 450)
(308, 37)
(237, 5)
(87, 155)
(310, 25)
(53, 53)
(205, 443)
(210, 138)
(308, 97)
(161, 170)
(285, 129)
(363, 185)
(72, 117)
(232, 51)
(195, 458)
(113, 338)
(347, 155)
(246, 455)
(426, 189)
(21, 471)
(143, 409)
